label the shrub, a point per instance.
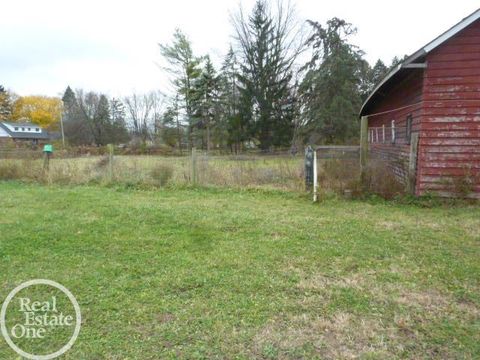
(339, 175)
(343, 177)
(161, 174)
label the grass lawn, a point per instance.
(202, 274)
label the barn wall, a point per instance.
(406, 96)
(449, 147)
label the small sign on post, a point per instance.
(47, 152)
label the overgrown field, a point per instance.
(202, 274)
(280, 172)
(269, 172)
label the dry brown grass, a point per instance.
(338, 336)
(284, 173)
(343, 177)
(343, 334)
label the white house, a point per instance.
(23, 132)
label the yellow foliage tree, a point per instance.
(42, 110)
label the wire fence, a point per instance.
(278, 171)
(20, 153)
(388, 135)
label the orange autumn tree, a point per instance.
(42, 110)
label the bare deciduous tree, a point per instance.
(144, 111)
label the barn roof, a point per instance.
(412, 62)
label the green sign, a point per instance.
(48, 148)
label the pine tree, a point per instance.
(76, 127)
(266, 73)
(171, 130)
(378, 72)
(206, 99)
(231, 125)
(5, 105)
(70, 106)
(331, 89)
(184, 67)
(102, 122)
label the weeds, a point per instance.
(253, 172)
(381, 180)
(162, 174)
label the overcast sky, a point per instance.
(111, 46)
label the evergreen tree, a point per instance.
(184, 67)
(69, 101)
(378, 72)
(231, 126)
(76, 128)
(266, 73)
(206, 99)
(102, 125)
(119, 132)
(331, 89)
(171, 130)
(5, 105)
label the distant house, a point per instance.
(433, 96)
(24, 131)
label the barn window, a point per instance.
(37, 129)
(16, 128)
(408, 132)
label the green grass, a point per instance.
(202, 274)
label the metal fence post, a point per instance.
(308, 168)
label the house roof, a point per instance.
(24, 135)
(410, 62)
(21, 124)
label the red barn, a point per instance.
(434, 95)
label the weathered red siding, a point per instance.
(449, 145)
(406, 96)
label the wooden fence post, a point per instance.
(412, 164)
(363, 146)
(110, 161)
(46, 161)
(194, 165)
(315, 176)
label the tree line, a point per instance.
(282, 83)
(262, 95)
